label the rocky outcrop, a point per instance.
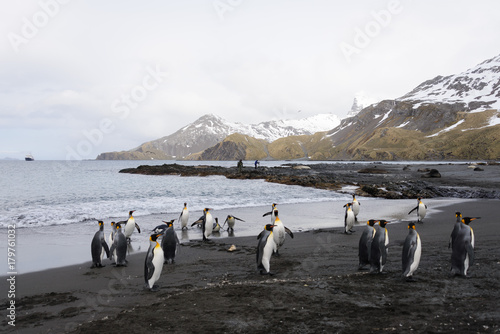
(388, 181)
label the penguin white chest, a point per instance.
(355, 208)
(185, 217)
(268, 251)
(158, 259)
(279, 233)
(421, 210)
(209, 224)
(129, 227)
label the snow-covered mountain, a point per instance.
(478, 88)
(211, 129)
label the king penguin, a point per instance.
(184, 217)
(207, 222)
(273, 216)
(462, 248)
(355, 207)
(412, 250)
(99, 247)
(169, 243)
(279, 232)
(378, 251)
(421, 210)
(216, 227)
(130, 225)
(153, 263)
(120, 247)
(265, 248)
(231, 220)
(365, 244)
(349, 219)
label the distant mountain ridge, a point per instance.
(210, 129)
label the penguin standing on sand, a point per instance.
(365, 244)
(231, 220)
(130, 225)
(273, 216)
(153, 263)
(207, 222)
(421, 210)
(378, 251)
(184, 217)
(119, 247)
(169, 242)
(279, 232)
(412, 250)
(99, 247)
(462, 248)
(349, 219)
(355, 207)
(265, 249)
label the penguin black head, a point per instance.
(112, 224)
(467, 220)
(276, 213)
(348, 205)
(118, 225)
(411, 225)
(131, 212)
(371, 222)
(154, 236)
(382, 222)
(170, 223)
(269, 227)
(185, 204)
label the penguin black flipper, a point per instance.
(238, 219)
(106, 248)
(267, 214)
(199, 221)
(260, 234)
(415, 208)
(138, 228)
(149, 268)
(289, 232)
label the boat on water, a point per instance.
(29, 157)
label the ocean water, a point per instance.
(46, 193)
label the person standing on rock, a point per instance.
(240, 165)
(257, 163)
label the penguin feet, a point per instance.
(348, 232)
(410, 279)
(262, 272)
(155, 288)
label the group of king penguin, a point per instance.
(374, 241)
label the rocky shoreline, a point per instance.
(373, 179)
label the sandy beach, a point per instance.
(316, 287)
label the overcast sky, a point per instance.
(78, 78)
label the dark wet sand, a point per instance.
(316, 288)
